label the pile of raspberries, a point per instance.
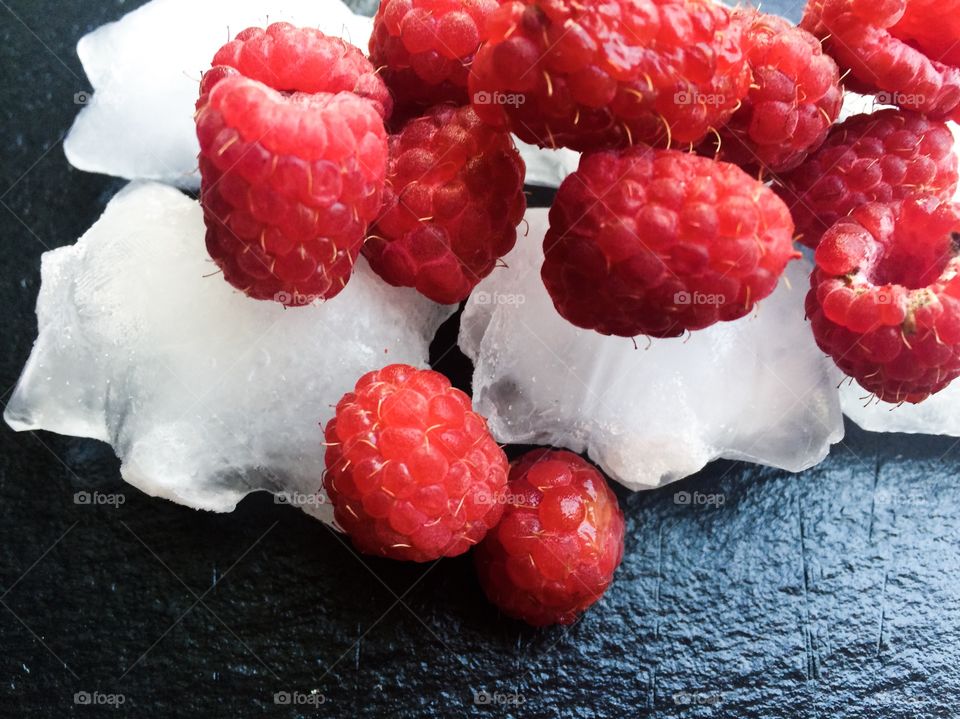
(710, 145)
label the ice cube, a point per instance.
(757, 389)
(204, 393)
(145, 70)
(938, 414)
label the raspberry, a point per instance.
(290, 178)
(905, 48)
(425, 47)
(559, 542)
(887, 156)
(601, 75)
(411, 468)
(453, 199)
(794, 99)
(657, 242)
(292, 59)
(884, 298)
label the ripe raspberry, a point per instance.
(292, 59)
(657, 242)
(905, 48)
(453, 199)
(794, 99)
(889, 155)
(411, 468)
(600, 75)
(884, 298)
(559, 542)
(291, 178)
(425, 47)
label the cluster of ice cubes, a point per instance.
(206, 395)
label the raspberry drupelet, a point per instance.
(292, 161)
(424, 48)
(884, 299)
(906, 50)
(658, 242)
(452, 202)
(886, 156)
(411, 467)
(609, 74)
(794, 99)
(559, 543)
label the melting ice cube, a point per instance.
(205, 394)
(138, 123)
(757, 389)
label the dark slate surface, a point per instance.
(833, 593)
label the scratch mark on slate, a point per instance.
(652, 693)
(883, 610)
(873, 498)
(656, 595)
(809, 638)
(356, 660)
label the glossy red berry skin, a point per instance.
(559, 543)
(411, 467)
(905, 50)
(794, 99)
(658, 242)
(291, 174)
(610, 74)
(424, 48)
(452, 202)
(884, 298)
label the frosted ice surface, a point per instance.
(205, 394)
(145, 70)
(938, 414)
(757, 389)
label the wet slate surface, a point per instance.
(833, 593)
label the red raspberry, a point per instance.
(291, 178)
(292, 59)
(657, 242)
(889, 155)
(884, 298)
(905, 48)
(453, 199)
(607, 74)
(425, 47)
(411, 468)
(794, 99)
(559, 542)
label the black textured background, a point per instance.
(834, 593)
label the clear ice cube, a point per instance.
(204, 393)
(757, 389)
